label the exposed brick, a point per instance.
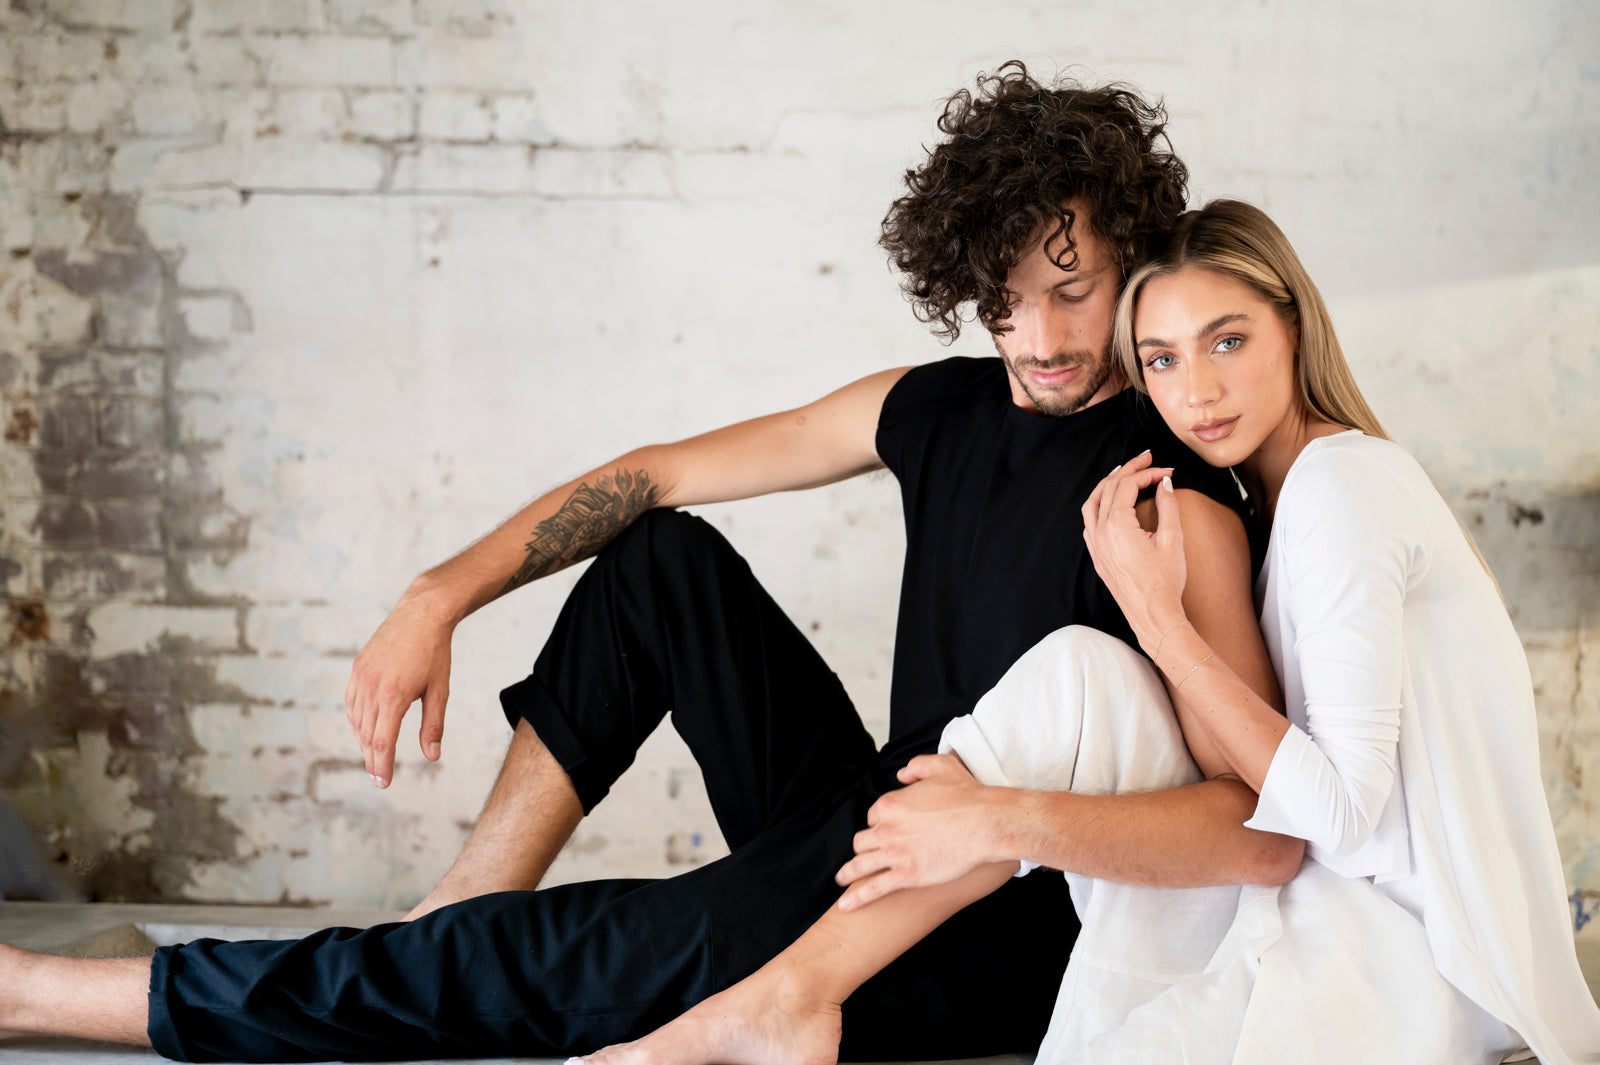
(390, 17)
(519, 119)
(70, 371)
(102, 576)
(16, 219)
(227, 61)
(67, 424)
(327, 61)
(65, 523)
(132, 422)
(465, 168)
(223, 16)
(129, 629)
(56, 471)
(114, 14)
(19, 469)
(172, 111)
(127, 526)
(147, 726)
(454, 116)
(308, 114)
(383, 115)
(217, 530)
(127, 322)
(128, 675)
(439, 59)
(476, 18)
(119, 476)
(22, 421)
(283, 165)
(94, 107)
(30, 107)
(139, 373)
(208, 317)
(189, 477)
(561, 172)
(120, 272)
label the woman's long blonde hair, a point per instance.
(1235, 239)
(1238, 240)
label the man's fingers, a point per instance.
(351, 689)
(865, 892)
(390, 713)
(919, 768)
(862, 865)
(432, 731)
(366, 719)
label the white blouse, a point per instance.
(1413, 756)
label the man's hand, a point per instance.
(939, 827)
(407, 659)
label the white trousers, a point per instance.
(1326, 969)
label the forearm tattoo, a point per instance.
(586, 522)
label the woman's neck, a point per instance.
(1264, 471)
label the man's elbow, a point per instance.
(1276, 859)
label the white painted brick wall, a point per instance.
(422, 260)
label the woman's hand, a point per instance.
(1145, 571)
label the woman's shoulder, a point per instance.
(1357, 479)
(1353, 462)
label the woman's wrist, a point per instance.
(1154, 630)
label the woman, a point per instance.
(1429, 923)
(1409, 760)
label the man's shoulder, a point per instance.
(949, 383)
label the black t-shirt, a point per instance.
(995, 558)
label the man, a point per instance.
(1033, 209)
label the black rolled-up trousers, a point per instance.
(668, 620)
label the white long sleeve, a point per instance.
(1358, 539)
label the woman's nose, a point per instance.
(1203, 385)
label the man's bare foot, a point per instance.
(764, 1019)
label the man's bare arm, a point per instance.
(408, 658)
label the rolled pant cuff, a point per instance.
(528, 700)
(162, 1032)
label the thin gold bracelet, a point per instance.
(1192, 668)
(1163, 641)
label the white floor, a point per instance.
(109, 930)
(112, 930)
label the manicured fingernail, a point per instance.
(1115, 468)
(433, 749)
(376, 781)
(1166, 482)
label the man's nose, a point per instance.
(1039, 333)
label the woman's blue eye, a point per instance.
(1229, 343)
(1157, 363)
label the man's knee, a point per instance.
(666, 540)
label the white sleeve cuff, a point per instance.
(1281, 806)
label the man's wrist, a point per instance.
(433, 598)
(1012, 815)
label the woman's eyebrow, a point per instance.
(1199, 334)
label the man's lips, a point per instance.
(1216, 430)
(1046, 377)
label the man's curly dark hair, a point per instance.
(1015, 152)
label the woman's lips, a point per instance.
(1211, 432)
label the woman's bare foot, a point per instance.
(765, 1019)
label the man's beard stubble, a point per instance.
(1053, 402)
